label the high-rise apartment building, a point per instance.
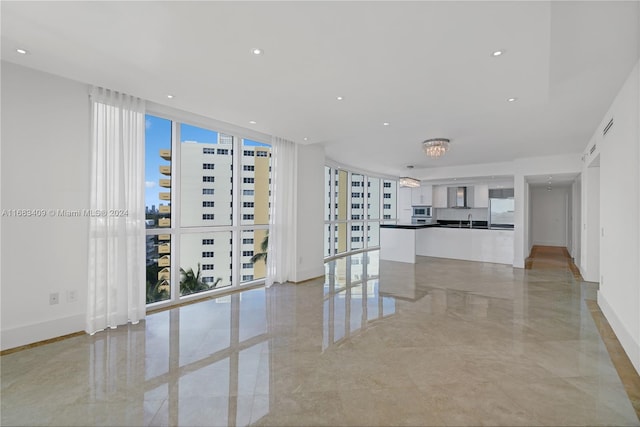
(207, 251)
(355, 206)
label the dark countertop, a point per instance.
(477, 225)
(409, 226)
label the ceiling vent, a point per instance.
(607, 127)
(592, 149)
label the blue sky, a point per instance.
(158, 137)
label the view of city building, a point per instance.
(355, 206)
(211, 242)
(207, 209)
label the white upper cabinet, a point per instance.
(439, 196)
(480, 196)
(427, 194)
(421, 196)
(404, 205)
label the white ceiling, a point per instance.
(552, 181)
(424, 67)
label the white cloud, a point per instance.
(149, 184)
(147, 124)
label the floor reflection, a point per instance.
(352, 297)
(215, 361)
(441, 342)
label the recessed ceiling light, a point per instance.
(253, 122)
(339, 98)
(170, 96)
(257, 51)
(497, 53)
(385, 124)
(305, 138)
(22, 51)
(512, 99)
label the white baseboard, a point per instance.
(628, 342)
(29, 334)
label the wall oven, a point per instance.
(422, 211)
(421, 215)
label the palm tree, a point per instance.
(218, 279)
(191, 282)
(156, 292)
(264, 245)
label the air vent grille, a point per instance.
(592, 149)
(607, 127)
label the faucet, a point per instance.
(470, 221)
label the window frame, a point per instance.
(235, 228)
(361, 218)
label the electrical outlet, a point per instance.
(54, 298)
(72, 295)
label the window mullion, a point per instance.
(175, 211)
(333, 176)
(236, 254)
(365, 210)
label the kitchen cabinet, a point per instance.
(495, 246)
(402, 244)
(439, 198)
(421, 196)
(404, 205)
(480, 196)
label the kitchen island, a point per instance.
(403, 242)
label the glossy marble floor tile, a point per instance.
(440, 343)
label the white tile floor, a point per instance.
(442, 342)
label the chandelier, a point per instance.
(405, 181)
(435, 147)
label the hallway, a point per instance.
(551, 258)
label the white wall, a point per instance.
(477, 214)
(590, 260)
(576, 191)
(45, 165)
(549, 216)
(310, 212)
(619, 151)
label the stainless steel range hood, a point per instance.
(457, 197)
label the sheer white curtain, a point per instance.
(117, 226)
(282, 221)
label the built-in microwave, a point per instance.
(422, 211)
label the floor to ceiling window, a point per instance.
(207, 209)
(355, 205)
